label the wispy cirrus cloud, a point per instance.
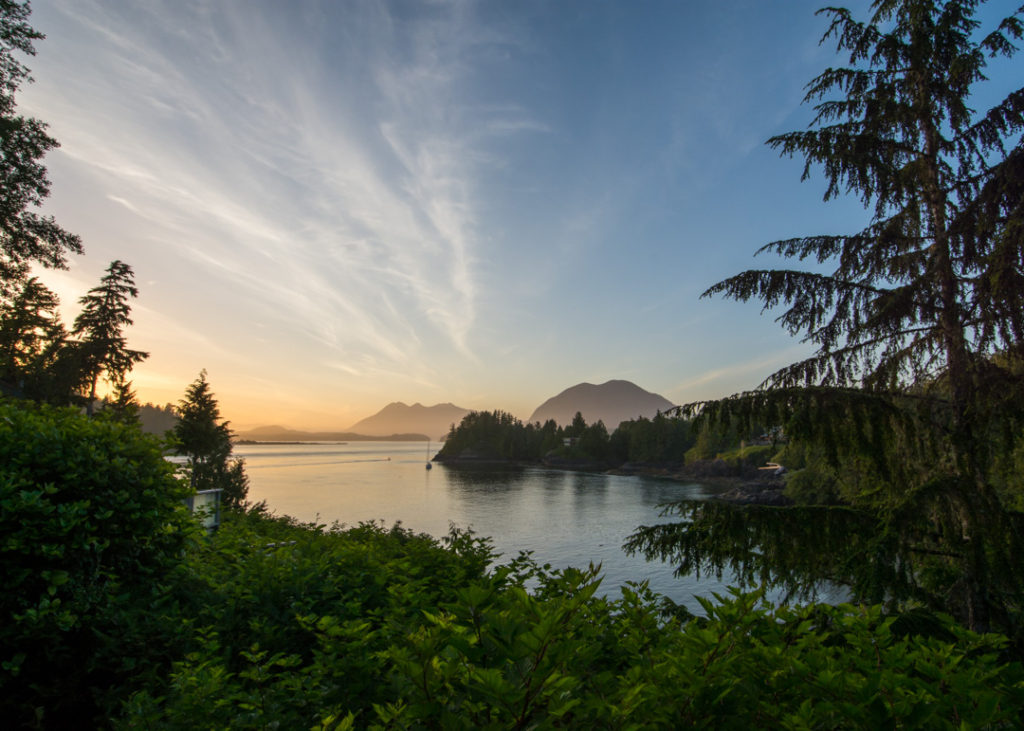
(331, 178)
(742, 376)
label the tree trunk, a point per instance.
(92, 396)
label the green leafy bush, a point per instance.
(296, 626)
(283, 621)
(92, 518)
(740, 458)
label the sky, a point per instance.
(333, 205)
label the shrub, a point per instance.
(307, 627)
(91, 518)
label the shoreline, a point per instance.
(750, 486)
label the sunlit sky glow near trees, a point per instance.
(335, 205)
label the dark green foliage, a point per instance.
(814, 484)
(26, 238)
(661, 440)
(42, 362)
(500, 436)
(112, 618)
(509, 660)
(205, 441)
(594, 441)
(905, 535)
(762, 546)
(31, 334)
(91, 518)
(494, 435)
(287, 622)
(912, 405)
(296, 626)
(577, 427)
(714, 436)
(123, 406)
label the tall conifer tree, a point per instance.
(26, 237)
(30, 333)
(205, 440)
(921, 320)
(101, 345)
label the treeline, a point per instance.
(664, 440)
(156, 419)
(42, 360)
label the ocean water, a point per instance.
(563, 518)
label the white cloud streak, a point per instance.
(351, 213)
(736, 376)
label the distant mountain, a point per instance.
(282, 434)
(612, 402)
(398, 417)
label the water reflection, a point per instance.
(475, 479)
(565, 518)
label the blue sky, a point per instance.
(335, 205)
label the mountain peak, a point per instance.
(400, 418)
(612, 402)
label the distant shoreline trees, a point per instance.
(662, 441)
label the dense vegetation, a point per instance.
(663, 440)
(316, 627)
(663, 445)
(92, 521)
(118, 612)
(904, 430)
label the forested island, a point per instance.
(667, 445)
(902, 435)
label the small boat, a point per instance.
(429, 466)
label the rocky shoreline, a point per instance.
(743, 486)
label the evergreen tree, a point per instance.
(577, 427)
(206, 442)
(123, 405)
(101, 344)
(593, 441)
(906, 387)
(932, 287)
(26, 238)
(30, 333)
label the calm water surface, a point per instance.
(565, 518)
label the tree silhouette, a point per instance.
(30, 333)
(913, 388)
(123, 404)
(205, 441)
(100, 345)
(26, 238)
